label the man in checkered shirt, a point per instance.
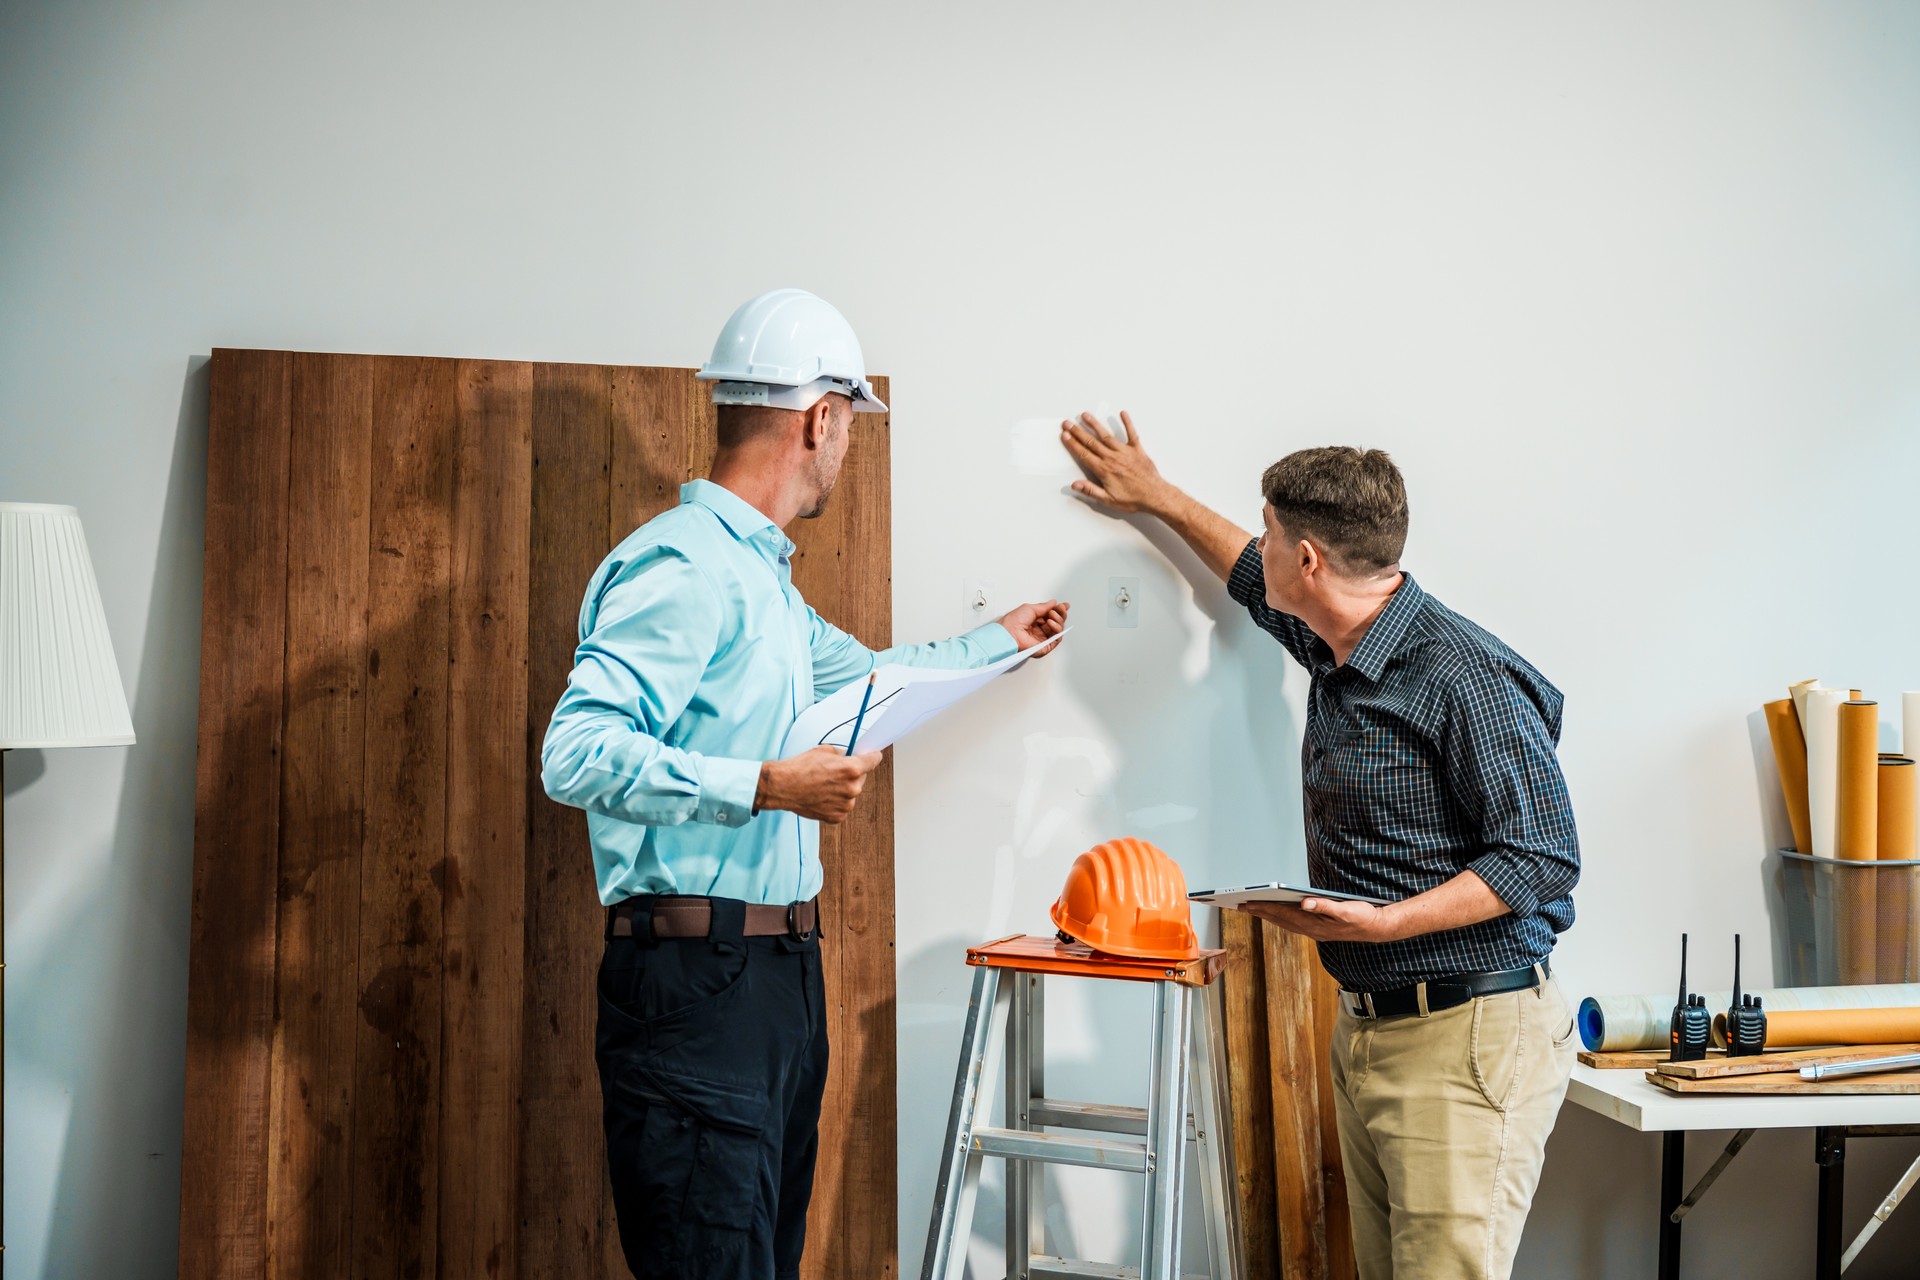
(1430, 782)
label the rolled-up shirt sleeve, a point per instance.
(652, 631)
(1497, 753)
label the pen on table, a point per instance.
(864, 700)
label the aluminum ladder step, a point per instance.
(1091, 1153)
(1046, 1267)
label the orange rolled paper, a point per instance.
(1793, 1028)
(1790, 757)
(1856, 837)
(1899, 841)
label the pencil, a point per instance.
(865, 699)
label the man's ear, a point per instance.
(1310, 559)
(817, 423)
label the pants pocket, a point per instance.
(650, 984)
(1499, 1045)
(721, 1128)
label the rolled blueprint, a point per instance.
(1640, 1022)
(1795, 1028)
(1798, 691)
(1790, 757)
(1893, 886)
(1856, 837)
(1821, 723)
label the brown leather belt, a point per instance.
(678, 917)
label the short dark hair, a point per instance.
(735, 424)
(1352, 502)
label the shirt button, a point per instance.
(725, 815)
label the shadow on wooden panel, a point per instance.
(390, 1066)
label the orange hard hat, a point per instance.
(1128, 898)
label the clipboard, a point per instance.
(1292, 895)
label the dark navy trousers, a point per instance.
(713, 1060)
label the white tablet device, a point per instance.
(1276, 892)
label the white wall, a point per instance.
(1632, 292)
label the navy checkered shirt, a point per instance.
(1430, 752)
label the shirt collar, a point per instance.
(1383, 637)
(744, 520)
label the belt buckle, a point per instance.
(793, 922)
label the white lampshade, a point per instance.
(59, 684)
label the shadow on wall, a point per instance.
(120, 954)
(1204, 762)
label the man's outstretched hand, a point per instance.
(1033, 624)
(1120, 474)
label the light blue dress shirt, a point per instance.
(696, 656)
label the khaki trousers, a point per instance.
(1443, 1128)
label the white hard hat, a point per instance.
(788, 348)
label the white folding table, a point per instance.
(1626, 1096)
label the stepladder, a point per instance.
(1186, 1086)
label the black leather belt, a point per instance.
(1442, 993)
(688, 917)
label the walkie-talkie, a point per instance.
(1746, 1020)
(1692, 1028)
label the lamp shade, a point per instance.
(59, 684)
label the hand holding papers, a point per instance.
(903, 699)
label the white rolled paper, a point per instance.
(1798, 691)
(1822, 725)
(1910, 724)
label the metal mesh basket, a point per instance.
(1850, 922)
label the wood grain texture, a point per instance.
(396, 934)
(1341, 1264)
(843, 567)
(321, 816)
(1789, 1084)
(396, 1130)
(566, 1218)
(230, 982)
(1250, 1090)
(483, 874)
(1280, 1012)
(1784, 1060)
(1295, 1075)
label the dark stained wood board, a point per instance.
(395, 933)
(1280, 1011)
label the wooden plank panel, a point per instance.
(1297, 1164)
(843, 566)
(483, 876)
(1341, 1264)
(310, 1186)
(653, 426)
(230, 983)
(396, 1132)
(566, 1218)
(1250, 1089)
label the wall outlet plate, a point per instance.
(1123, 603)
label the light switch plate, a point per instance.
(1123, 603)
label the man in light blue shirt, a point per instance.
(696, 656)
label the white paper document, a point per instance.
(904, 698)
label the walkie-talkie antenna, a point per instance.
(1736, 971)
(1683, 971)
